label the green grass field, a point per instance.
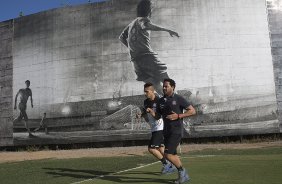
(251, 166)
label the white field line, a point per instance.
(101, 176)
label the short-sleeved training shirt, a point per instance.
(139, 37)
(166, 105)
(156, 125)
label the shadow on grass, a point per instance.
(128, 177)
(75, 173)
(134, 179)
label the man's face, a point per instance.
(149, 92)
(167, 89)
(27, 84)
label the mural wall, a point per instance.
(274, 8)
(83, 82)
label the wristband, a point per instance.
(178, 116)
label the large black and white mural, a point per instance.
(84, 86)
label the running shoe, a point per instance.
(168, 168)
(183, 177)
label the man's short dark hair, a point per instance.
(144, 8)
(148, 84)
(171, 82)
(27, 82)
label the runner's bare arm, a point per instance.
(190, 111)
(156, 115)
(153, 27)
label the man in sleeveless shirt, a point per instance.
(23, 95)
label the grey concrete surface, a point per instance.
(274, 9)
(6, 83)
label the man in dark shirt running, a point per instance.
(24, 94)
(136, 36)
(170, 107)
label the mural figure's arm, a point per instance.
(15, 106)
(42, 124)
(153, 27)
(31, 100)
(123, 36)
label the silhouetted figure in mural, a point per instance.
(136, 36)
(42, 124)
(24, 94)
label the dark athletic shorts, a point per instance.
(149, 66)
(157, 139)
(171, 142)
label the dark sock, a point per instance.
(163, 160)
(180, 168)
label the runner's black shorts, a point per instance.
(171, 141)
(157, 139)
